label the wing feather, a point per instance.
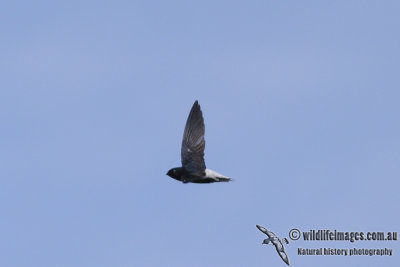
(193, 143)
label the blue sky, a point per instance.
(301, 106)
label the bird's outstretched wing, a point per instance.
(193, 143)
(266, 231)
(282, 254)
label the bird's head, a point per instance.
(266, 241)
(174, 173)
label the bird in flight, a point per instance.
(193, 168)
(276, 241)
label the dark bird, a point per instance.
(193, 168)
(276, 241)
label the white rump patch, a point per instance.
(212, 174)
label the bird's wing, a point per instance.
(266, 231)
(193, 144)
(280, 244)
(281, 251)
(282, 254)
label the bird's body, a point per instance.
(209, 176)
(193, 168)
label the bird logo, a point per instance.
(276, 241)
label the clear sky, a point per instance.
(301, 107)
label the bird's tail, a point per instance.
(223, 179)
